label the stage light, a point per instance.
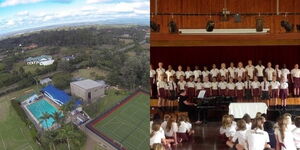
(286, 25)
(172, 27)
(210, 25)
(259, 25)
(154, 26)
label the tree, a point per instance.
(67, 133)
(58, 118)
(44, 118)
(62, 80)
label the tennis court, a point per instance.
(128, 124)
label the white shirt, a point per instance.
(157, 138)
(214, 85)
(197, 74)
(214, 72)
(223, 72)
(239, 85)
(179, 73)
(183, 128)
(159, 72)
(270, 72)
(255, 84)
(285, 72)
(190, 84)
(172, 85)
(167, 87)
(229, 131)
(260, 70)
(278, 73)
(161, 84)
(256, 139)
(206, 85)
(181, 85)
(284, 85)
(222, 85)
(188, 74)
(295, 73)
(230, 86)
(288, 140)
(170, 73)
(198, 86)
(275, 85)
(152, 73)
(164, 125)
(250, 70)
(231, 71)
(296, 135)
(248, 125)
(241, 137)
(247, 84)
(240, 72)
(265, 85)
(205, 74)
(174, 129)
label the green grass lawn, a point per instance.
(14, 134)
(129, 124)
(89, 73)
(105, 103)
(27, 68)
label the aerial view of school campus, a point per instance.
(72, 81)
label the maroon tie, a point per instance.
(265, 85)
(248, 85)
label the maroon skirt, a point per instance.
(256, 92)
(167, 92)
(207, 92)
(223, 92)
(162, 92)
(240, 94)
(283, 93)
(231, 93)
(190, 92)
(296, 82)
(182, 136)
(215, 93)
(275, 93)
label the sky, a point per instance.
(16, 15)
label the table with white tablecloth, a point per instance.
(239, 109)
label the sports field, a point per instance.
(127, 124)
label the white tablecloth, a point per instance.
(239, 109)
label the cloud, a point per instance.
(16, 2)
(23, 13)
(96, 1)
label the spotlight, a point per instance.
(154, 26)
(259, 25)
(286, 25)
(210, 25)
(172, 27)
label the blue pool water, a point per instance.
(40, 107)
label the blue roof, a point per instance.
(57, 94)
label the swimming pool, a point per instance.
(40, 107)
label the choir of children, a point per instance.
(263, 134)
(244, 83)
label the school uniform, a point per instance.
(239, 90)
(152, 77)
(284, 73)
(207, 88)
(188, 74)
(223, 72)
(205, 74)
(283, 93)
(296, 77)
(167, 91)
(278, 74)
(247, 86)
(214, 88)
(170, 73)
(181, 85)
(182, 133)
(240, 72)
(169, 134)
(255, 86)
(265, 85)
(275, 89)
(198, 87)
(288, 140)
(296, 135)
(260, 72)
(157, 138)
(161, 89)
(270, 72)
(222, 86)
(179, 74)
(231, 71)
(257, 139)
(240, 137)
(228, 131)
(190, 89)
(250, 71)
(214, 72)
(197, 74)
(172, 89)
(231, 89)
(159, 73)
